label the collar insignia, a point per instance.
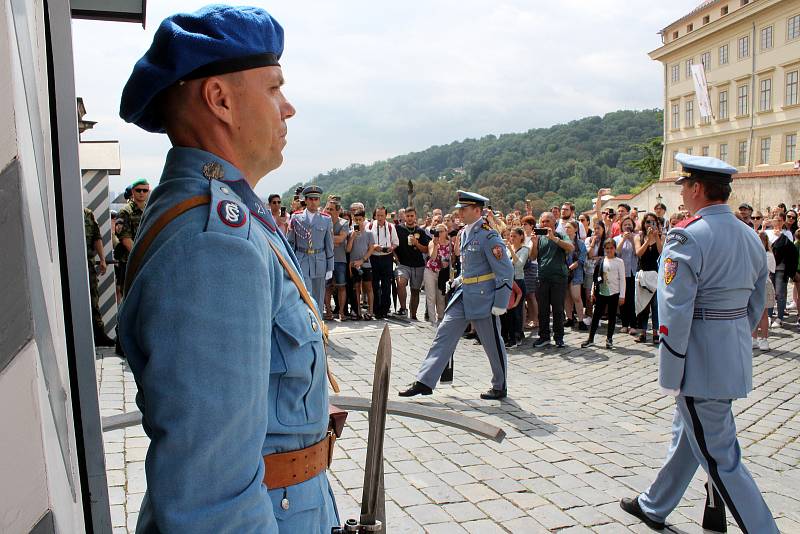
(213, 170)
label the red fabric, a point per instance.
(663, 330)
(686, 222)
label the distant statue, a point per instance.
(410, 193)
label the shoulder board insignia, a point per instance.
(680, 237)
(231, 213)
(486, 226)
(686, 222)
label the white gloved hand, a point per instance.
(498, 311)
(328, 275)
(453, 284)
(670, 392)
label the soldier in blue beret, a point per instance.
(482, 295)
(311, 236)
(222, 338)
(710, 299)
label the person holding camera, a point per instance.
(550, 249)
(278, 212)
(626, 250)
(648, 243)
(384, 235)
(437, 273)
(412, 242)
(361, 246)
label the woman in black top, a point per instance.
(649, 244)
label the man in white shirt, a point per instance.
(382, 261)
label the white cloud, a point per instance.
(375, 79)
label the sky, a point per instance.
(372, 80)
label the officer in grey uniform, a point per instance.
(482, 295)
(711, 294)
(311, 236)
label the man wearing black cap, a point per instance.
(746, 214)
(221, 335)
(708, 304)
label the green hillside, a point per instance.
(546, 165)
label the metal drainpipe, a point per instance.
(664, 150)
(752, 102)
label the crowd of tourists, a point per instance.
(386, 261)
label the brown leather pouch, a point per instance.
(336, 420)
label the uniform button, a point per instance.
(285, 503)
(314, 326)
(225, 190)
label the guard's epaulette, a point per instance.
(486, 226)
(686, 222)
(227, 213)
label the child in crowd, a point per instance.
(608, 292)
(360, 246)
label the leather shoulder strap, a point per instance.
(147, 240)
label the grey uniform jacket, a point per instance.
(312, 242)
(711, 294)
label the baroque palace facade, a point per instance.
(750, 51)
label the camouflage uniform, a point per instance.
(92, 232)
(131, 217)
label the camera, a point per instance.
(435, 233)
(540, 231)
(356, 227)
(384, 249)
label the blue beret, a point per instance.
(465, 198)
(216, 39)
(312, 191)
(704, 168)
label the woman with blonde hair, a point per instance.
(437, 271)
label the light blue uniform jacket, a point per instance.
(228, 361)
(478, 259)
(316, 236)
(716, 264)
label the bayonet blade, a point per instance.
(373, 471)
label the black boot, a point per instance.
(417, 388)
(632, 507)
(495, 394)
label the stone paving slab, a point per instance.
(585, 427)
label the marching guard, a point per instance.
(481, 296)
(708, 304)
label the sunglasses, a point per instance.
(139, 190)
(275, 202)
(610, 248)
(791, 216)
(758, 218)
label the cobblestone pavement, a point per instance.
(585, 428)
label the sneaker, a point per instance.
(541, 342)
(791, 306)
(763, 344)
(401, 311)
(775, 323)
(569, 323)
(755, 342)
(587, 321)
(609, 344)
(508, 344)
(560, 344)
(587, 343)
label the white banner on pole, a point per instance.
(701, 89)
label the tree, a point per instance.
(650, 164)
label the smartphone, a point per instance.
(357, 227)
(540, 231)
(283, 211)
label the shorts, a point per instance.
(365, 276)
(414, 275)
(340, 273)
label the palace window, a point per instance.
(676, 117)
(742, 153)
(689, 63)
(723, 104)
(793, 27)
(723, 54)
(744, 47)
(765, 95)
(742, 93)
(723, 152)
(704, 151)
(765, 143)
(791, 88)
(705, 59)
(791, 147)
(676, 73)
(689, 113)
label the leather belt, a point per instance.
(310, 250)
(476, 279)
(283, 469)
(719, 315)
